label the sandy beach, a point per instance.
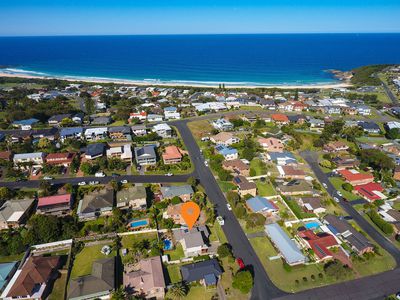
(182, 84)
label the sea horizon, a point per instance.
(199, 59)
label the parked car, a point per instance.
(240, 263)
(100, 174)
(229, 206)
(169, 174)
(47, 178)
(206, 163)
(324, 185)
(124, 181)
(336, 199)
(82, 183)
(340, 193)
(93, 182)
(220, 220)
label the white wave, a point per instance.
(22, 71)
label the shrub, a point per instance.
(243, 281)
(347, 187)
(224, 250)
(381, 223)
(305, 279)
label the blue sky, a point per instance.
(87, 17)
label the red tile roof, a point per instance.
(171, 152)
(319, 242)
(53, 200)
(6, 155)
(367, 190)
(280, 118)
(352, 175)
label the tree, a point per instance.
(119, 294)
(45, 186)
(5, 193)
(254, 220)
(192, 181)
(42, 229)
(347, 187)
(67, 122)
(337, 270)
(224, 250)
(233, 197)
(393, 134)
(44, 143)
(376, 159)
(243, 281)
(179, 290)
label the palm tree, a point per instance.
(179, 290)
(119, 294)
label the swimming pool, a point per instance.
(167, 244)
(139, 223)
(312, 225)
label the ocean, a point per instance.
(259, 59)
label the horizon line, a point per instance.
(187, 34)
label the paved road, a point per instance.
(389, 93)
(263, 286)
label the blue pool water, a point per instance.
(139, 223)
(258, 59)
(312, 225)
(167, 245)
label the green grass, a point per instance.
(217, 234)
(265, 188)
(84, 260)
(118, 123)
(283, 279)
(226, 186)
(375, 140)
(200, 128)
(230, 268)
(396, 205)
(10, 258)
(59, 287)
(258, 166)
(174, 273)
(177, 253)
(337, 183)
(128, 240)
(375, 265)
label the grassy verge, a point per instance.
(337, 183)
(217, 234)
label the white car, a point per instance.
(229, 206)
(124, 181)
(169, 174)
(336, 199)
(220, 220)
(93, 182)
(47, 178)
(206, 163)
(82, 183)
(339, 193)
(99, 174)
(324, 185)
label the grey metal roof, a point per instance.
(145, 152)
(286, 246)
(172, 191)
(197, 271)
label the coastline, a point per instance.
(339, 84)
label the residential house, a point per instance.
(71, 133)
(146, 279)
(245, 187)
(290, 172)
(280, 119)
(102, 120)
(287, 248)
(78, 118)
(222, 125)
(55, 205)
(369, 127)
(261, 205)
(134, 197)
(295, 187)
(123, 152)
(141, 116)
(34, 279)
(297, 119)
(396, 174)
(94, 151)
(228, 153)
(139, 130)
(320, 243)
(95, 204)
(336, 146)
(57, 119)
(174, 212)
(6, 155)
(154, 118)
(163, 130)
(13, 213)
(7, 271)
(26, 159)
(146, 155)
(120, 133)
(271, 144)
(316, 124)
(185, 192)
(49, 133)
(345, 162)
(356, 178)
(370, 191)
(390, 215)
(25, 124)
(98, 285)
(60, 159)
(312, 205)
(282, 158)
(95, 134)
(172, 155)
(207, 272)
(236, 166)
(341, 228)
(171, 113)
(194, 241)
(224, 138)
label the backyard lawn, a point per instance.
(337, 183)
(174, 272)
(258, 166)
(128, 240)
(265, 188)
(177, 253)
(84, 260)
(196, 293)
(59, 287)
